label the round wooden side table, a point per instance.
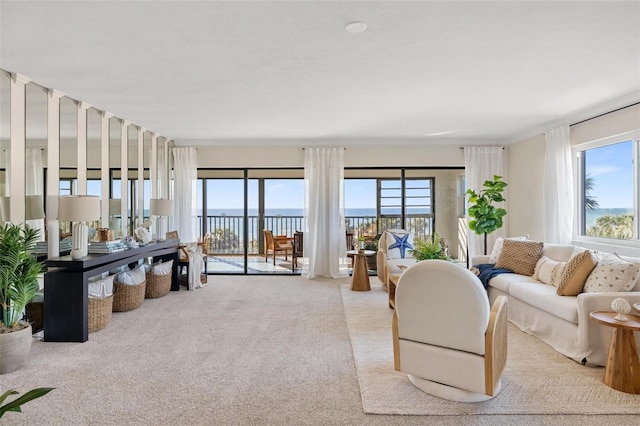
(360, 280)
(622, 371)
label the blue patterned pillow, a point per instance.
(399, 244)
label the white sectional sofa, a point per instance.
(561, 321)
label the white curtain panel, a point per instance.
(558, 194)
(481, 164)
(324, 240)
(184, 201)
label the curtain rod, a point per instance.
(463, 147)
(604, 113)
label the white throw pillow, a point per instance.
(101, 287)
(549, 271)
(132, 277)
(612, 274)
(162, 268)
(399, 244)
(497, 247)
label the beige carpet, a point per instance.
(537, 379)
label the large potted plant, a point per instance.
(18, 285)
(487, 217)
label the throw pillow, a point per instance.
(100, 288)
(612, 274)
(549, 271)
(497, 247)
(398, 244)
(162, 268)
(132, 277)
(576, 272)
(520, 256)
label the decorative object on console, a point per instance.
(79, 209)
(622, 307)
(486, 217)
(160, 207)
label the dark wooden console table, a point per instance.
(66, 302)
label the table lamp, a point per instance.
(79, 209)
(160, 207)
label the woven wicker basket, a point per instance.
(34, 313)
(99, 313)
(127, 297)
(157, 285)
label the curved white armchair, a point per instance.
(445, 336)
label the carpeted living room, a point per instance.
(229, 149)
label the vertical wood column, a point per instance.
(18, 143)
(105, 178)
(82, 147)
(140, 175)
(53, 171)
(124, 176)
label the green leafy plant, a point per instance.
(429, 248)
(487, 217)
(18, 272)
(16, 403)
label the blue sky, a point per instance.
(612, 169)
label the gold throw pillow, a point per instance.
(576, 272)
(520, 256)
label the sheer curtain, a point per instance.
(480, 164)
(324, 242)
(558, 200)
(184, 201)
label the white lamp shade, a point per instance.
(160, 207)
(115, 205)
(79, 208)
(34, 208)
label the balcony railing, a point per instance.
(226, 233)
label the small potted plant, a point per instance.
(19, 271)
(430, 248)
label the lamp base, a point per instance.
(79, 237)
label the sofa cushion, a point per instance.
(399, 244)
(497, 247)
(503, 281)
(558, 252)
(544, 297)
(520, 256)
(612, 274)
(576, 272)
(549, 271)
(393, 265)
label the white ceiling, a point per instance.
(205, 72)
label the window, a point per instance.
(608, 188)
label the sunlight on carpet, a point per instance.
(537, 379)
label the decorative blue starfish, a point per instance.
(401, 243)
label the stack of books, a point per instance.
(106, 246)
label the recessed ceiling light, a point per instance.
(355, 27)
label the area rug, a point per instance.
(537, 379)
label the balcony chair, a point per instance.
(275, 245)
(298, 249)
(446, 338)
(187, 250)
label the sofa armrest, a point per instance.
(588, 330)
(477, 260)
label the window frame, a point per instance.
(578, 168)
